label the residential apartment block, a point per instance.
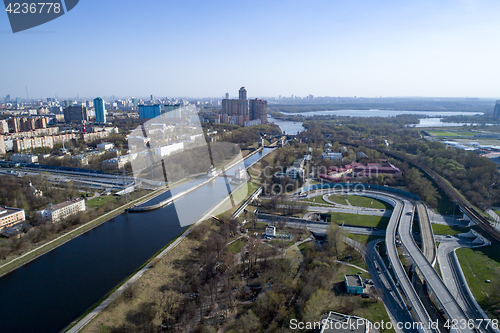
(56, 213)
(9, 217)
(243, 112)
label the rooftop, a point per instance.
(354, 280)
(340, 323)
(4, 211)
(65, 204)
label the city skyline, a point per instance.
(282, 48)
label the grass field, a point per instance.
(360, 201)
(441, 229)
(363, 239)
(318, 199)
(236, 246)
(451, 133)
(479, 265)
(360, 220)
(101, 201)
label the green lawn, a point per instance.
(339, 199)
(451, 133)
(236, 246)
(363, 239)
(318, 199)
(360, 220)
(441, 229)
(283, 242)
(355, 271)
(101, 201)
(360, 201)
(479, 265)
(302, 248)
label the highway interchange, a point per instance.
(452, 294)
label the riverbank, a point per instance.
(114, 309)
(50, 245)
(13, 262)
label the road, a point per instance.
(428, 243)
(402, 279)
(455, 281)
(443, 295)
(382, 279)
(461, 309)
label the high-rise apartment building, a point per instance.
(258, 110)
(149, 111)
(158, 110)
(241, 111)
(25, 124)
(100, 110)
(75, 113)
(172, 111)
(243, 93)
(496, 110)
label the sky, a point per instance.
(283, 47)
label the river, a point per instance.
(433, 118)
(55, 289)
(288, 127)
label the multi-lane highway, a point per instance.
(455, 281)
(428, 243)
(451, 295)
(433, 280)
(404, 282)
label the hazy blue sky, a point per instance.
(284, 47)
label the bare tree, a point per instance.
(335, 237)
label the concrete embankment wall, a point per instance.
(179, 195)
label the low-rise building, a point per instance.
(296, 170)
(353, 284)
(271, 231)
(294, 173)
(24, 158)
(10, 217)
(169, 149)
(332, 156)
(56, 213)
(334, 322)
(105, 146)
(117, 163)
